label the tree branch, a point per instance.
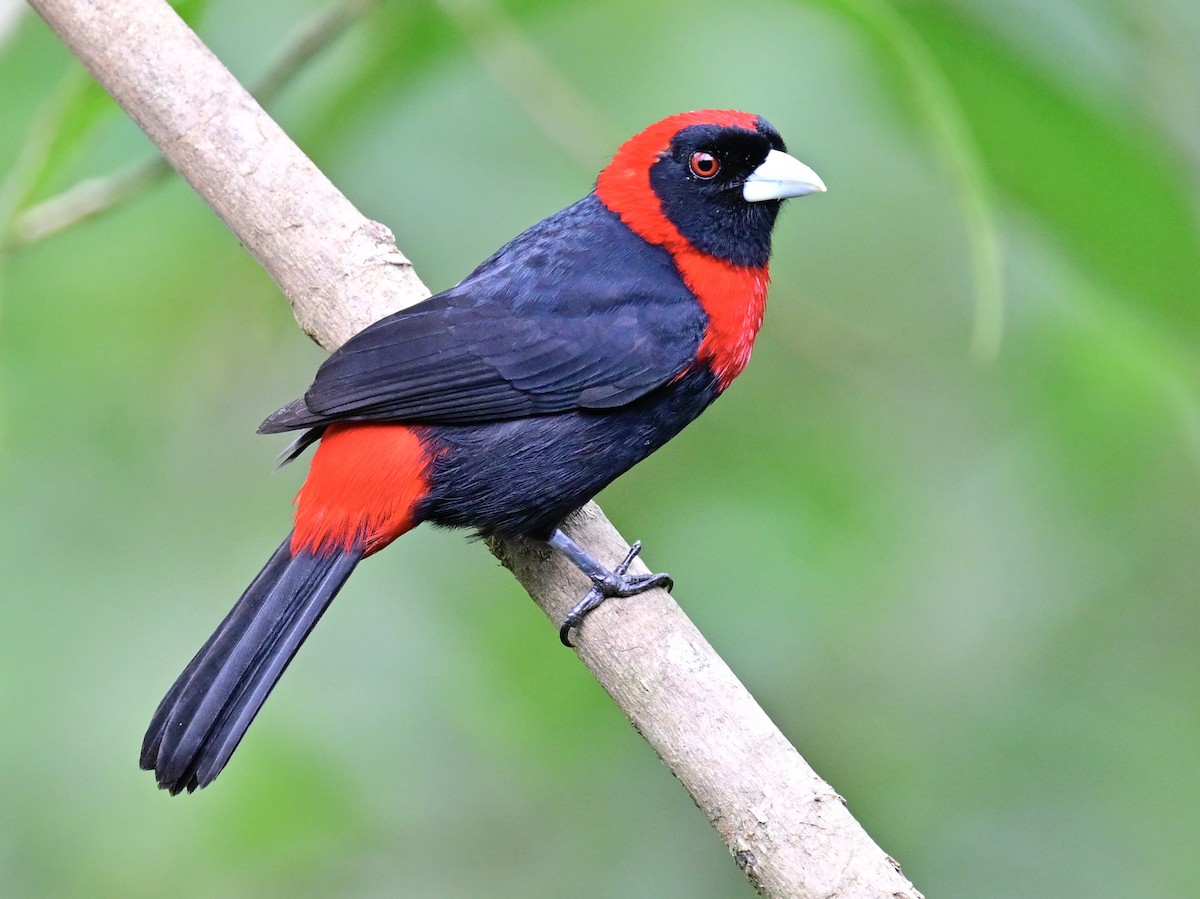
(787, 829)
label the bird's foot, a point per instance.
(607, 583)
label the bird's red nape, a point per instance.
(363, 487)
(733, 296)
(624, 185)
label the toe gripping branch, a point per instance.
(605, 583)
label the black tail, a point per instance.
(202, 718)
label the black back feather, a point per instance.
(576, 313)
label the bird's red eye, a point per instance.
(704, 165)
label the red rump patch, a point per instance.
(363, 486)
(732, 295)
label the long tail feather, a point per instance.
(206, 712)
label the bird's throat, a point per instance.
(734, 298)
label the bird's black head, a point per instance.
(699, 181)
(716, 177)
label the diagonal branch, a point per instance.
(787, 829)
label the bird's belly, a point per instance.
(523, 477)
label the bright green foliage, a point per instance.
(946, 526)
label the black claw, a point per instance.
(611, 583)
(578, 612)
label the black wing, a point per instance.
(577, 312)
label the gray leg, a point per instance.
(605, 583)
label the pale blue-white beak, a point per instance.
(781, 176)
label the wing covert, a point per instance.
(570, 315)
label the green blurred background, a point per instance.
(945, 527)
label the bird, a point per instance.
(506, 402)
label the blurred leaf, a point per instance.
(190, 11)
(54, 140)
(94, 196)
(407, 40)
(927, 90)
(69, 122)
(309, 40)
(62, 132)
(1110, 188)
